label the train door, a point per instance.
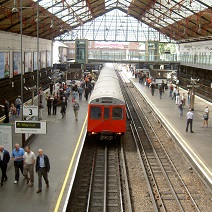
(107, 121)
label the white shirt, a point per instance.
(189, 115)
(29, 158)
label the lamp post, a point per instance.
(22, 83)
(192, 95)
(38, 58)
(21, 33)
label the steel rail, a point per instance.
(91, 182)
(105, 182)
(126, 180)
(168, 157)
(141, 161)
(155, 152)
(119, 180)
(155, 206)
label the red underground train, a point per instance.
(106, 107)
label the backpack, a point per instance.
(76, 106)
(18, 101)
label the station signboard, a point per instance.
(32, 127)
(30, 110)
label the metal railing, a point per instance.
(120, 56)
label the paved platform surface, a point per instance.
(62, 144)
(198, 144)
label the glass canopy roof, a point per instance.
(166, 11)
(180, 20)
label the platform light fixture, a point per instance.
(14, 9)
(184, 31)
(200, 28)
(52, 25)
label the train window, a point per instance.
(117, 113)
(106, 113)
(96, 112)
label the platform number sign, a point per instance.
(30, 110)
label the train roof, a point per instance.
(107, 86)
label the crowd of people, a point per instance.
(24, 159)
(61, 94)
(26, 162)
(180, 98)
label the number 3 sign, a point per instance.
(30, 110)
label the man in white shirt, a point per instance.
(29, 162)
(189, 117)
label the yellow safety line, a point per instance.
(69, 168)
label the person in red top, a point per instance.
(149, 81)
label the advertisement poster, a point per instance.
(27, 62)
(16, 63)
(35, 61)
(6, 136)
(43, 59)
(48, 54)
(4, 64)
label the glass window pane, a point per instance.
(96, 113)
(117, 113)
(106, 113)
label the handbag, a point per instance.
(205, 116)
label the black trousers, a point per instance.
(189, 122)
(18, 165)
(49, 110)
(4, 172)
(54, 110)
(6, 120)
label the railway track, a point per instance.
(146, 160)
(100, 188)
(167, 189)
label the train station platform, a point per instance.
(197, 145)
(62, 144)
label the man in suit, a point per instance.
(4, 159)
(42, 168)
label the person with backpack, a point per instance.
(76, 109)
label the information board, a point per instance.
(6, 136)
(32, 127)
